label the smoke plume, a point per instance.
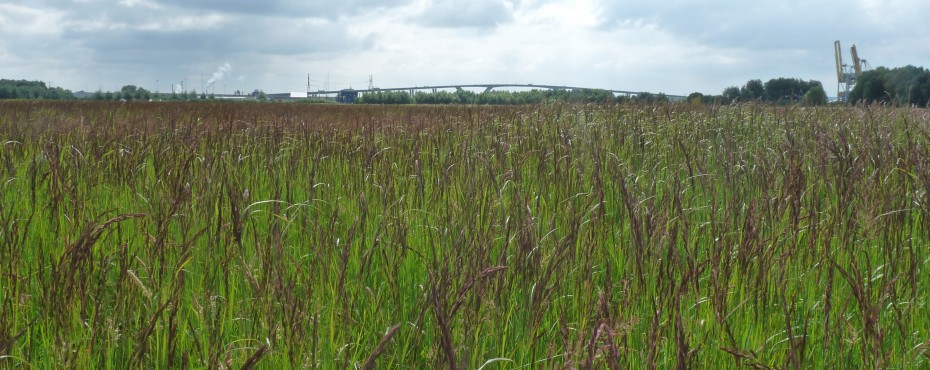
(219, 74)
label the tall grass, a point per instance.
(151, 235)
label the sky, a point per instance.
(670, 46)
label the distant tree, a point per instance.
(776, 90)
(788, 90)
(591, 96)
(731, 94)
(696, 98)
(908, 85)
(128, 92)
(783, 90)
(644, 97)
(753, 90)
(23, 89)
(6, 92)
(815, 96)
(132, 92)
(493, 98)
(465, 97)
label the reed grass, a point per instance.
(210, 235)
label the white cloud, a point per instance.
(464, 13)
(186, 23)
(23, 20)
(140, 3)
(564, 13)
(892, 13)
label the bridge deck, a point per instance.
(487, 87)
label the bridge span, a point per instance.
(350, 94)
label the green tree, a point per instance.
(695, 98)
(6, 92)
(132, 92)
(731, 94)
(908, 85)
(753, 90)
(465, 97)
(23, 89)
(783, 90)
(815, 96)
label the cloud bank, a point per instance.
(675, 46)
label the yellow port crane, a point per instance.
(847, 75)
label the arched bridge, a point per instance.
(351, 94)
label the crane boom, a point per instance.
(840, 77)
(857, 63)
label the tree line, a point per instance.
(493, 97)
(135, 93)
(782, 91)
(22, 89)
(908, 85)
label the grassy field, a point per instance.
(210, 235)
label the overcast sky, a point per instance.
(671, 46)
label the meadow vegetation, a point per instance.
(211, 235)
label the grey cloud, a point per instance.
(466, 13)
(81, 12)
(237, 37)
(142, 35)
(287, 8)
